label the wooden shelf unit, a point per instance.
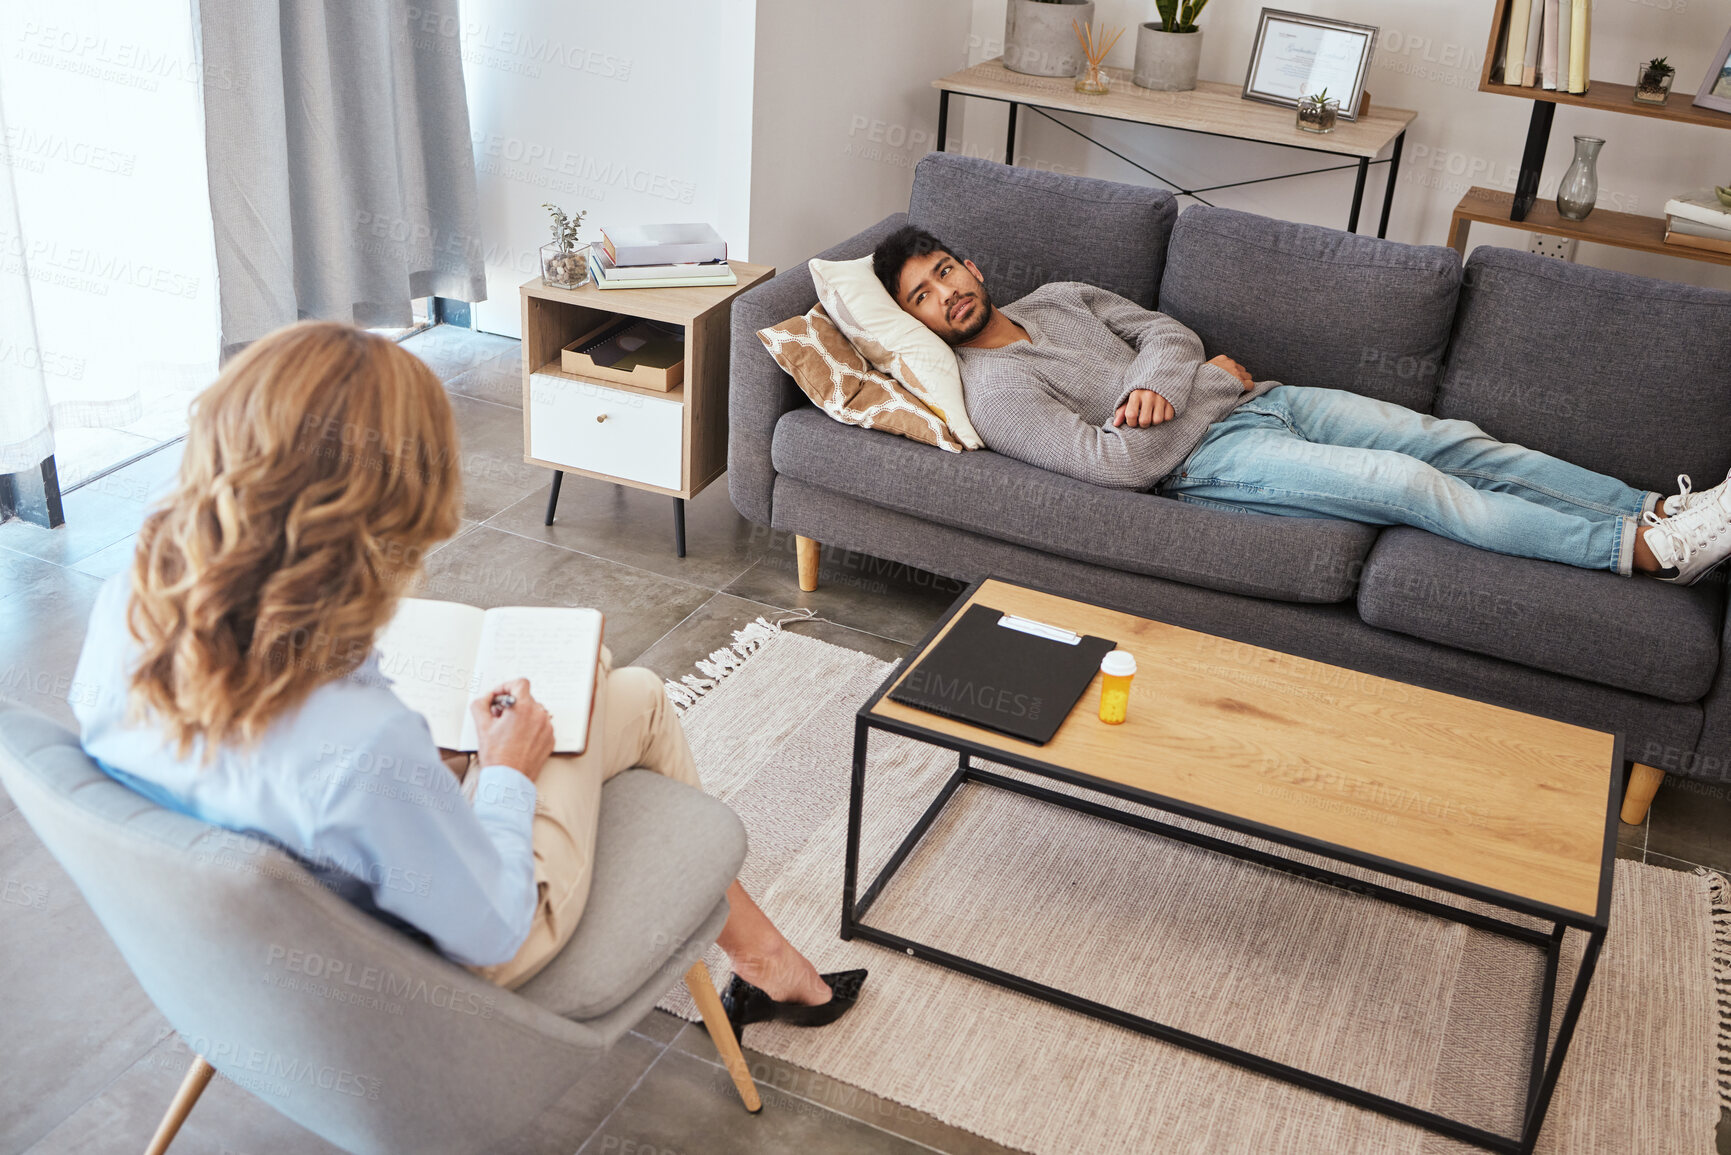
(1523, 209)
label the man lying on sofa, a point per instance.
(1078, 380)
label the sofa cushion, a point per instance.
(1632, 633)
(1622, 374)
(1299, 559)
(1024, 227)
(1307, 305)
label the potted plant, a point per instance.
(564, 263)
(1318, 112)
(1038, 40)
(1653, 81)
(1168, 52)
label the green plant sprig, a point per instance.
(1179, 15)
(564, 227)
(1660, 65)
(1319, 99)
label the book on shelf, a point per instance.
(1519, 16)
(441, 655)
(615, 272)
(1535, 28)
(722, 274)
(1565, 13)
(1701, 207)
(1548, 47)
(1695, 240)
(1691, 228)
(662, 244)
(1580, 32)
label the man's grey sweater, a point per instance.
(1049, 400)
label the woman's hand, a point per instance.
(519, 736)
(1234, 368)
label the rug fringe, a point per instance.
(1719, 890)
(686, 692)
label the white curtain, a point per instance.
(26, 432)
(342, 182)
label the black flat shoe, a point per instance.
(745, 1003)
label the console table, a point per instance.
(1212, 109)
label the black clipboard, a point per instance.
(1002, 678)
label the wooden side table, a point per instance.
(673, 442)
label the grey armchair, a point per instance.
(345, 1025)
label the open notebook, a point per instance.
(441, 655)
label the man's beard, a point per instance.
(975, 325)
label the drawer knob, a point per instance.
(599, 417)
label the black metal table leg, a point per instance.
(943, 117)
(1533, 159)
(1358, 194)
(33, 494)
(855, 804)
(1388, 192)
(553, 498)
(679, 526)
(1010, 137)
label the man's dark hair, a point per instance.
(896, 250)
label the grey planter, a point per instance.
(1166, 61)
(1039, 39)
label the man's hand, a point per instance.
(519, 736)
(1144, 408)
(1234, 368)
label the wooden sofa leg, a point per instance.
(197, 1078)
(1643, 784)
(702, 989)
(809, 551)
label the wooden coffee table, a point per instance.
(1471, 799)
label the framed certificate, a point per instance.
(1716, 87)
(1297, 54)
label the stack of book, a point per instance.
(1545, 44)
(659, 257)
(1698, 221)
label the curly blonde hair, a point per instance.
(319, 468)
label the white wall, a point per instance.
(1428, 58)
(632, 112)
(844, 109)
(105, 140)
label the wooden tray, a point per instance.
(643, 377)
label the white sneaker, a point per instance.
(1686, 496)
(1694, 541)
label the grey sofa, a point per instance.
(1618, 373)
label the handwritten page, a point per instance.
(428, 652)
(556, 649)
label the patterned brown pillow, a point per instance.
(843, 384)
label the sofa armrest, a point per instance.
(758, 391)
(1711, 758)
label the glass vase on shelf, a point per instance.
(1093, 80)
(1580, 187)
(564, 268)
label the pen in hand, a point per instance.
(501, 703)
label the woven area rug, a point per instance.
(1406, 1005)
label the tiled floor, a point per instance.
(87, 1064)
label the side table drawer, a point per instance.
(613, 431)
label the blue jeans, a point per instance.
(1328, 453)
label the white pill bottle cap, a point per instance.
(1118, 663)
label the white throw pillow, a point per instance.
(893, 341)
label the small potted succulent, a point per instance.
(1653, 81)
(1318, 112)
(564, 262)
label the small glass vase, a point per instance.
(564, 268)
(1315, 117)
(1093, 80)
(1580, 187)
(1652, 86)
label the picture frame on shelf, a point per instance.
(1297, 54)
(1716, 85)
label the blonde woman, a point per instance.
(231, 676)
